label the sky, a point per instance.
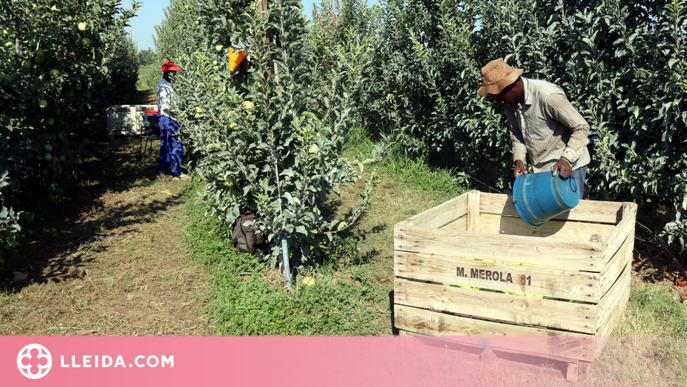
(151, 14)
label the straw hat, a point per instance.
(496, 75)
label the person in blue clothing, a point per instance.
(171, 151)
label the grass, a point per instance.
(653, 310)
(414, 172)
(649, 346)
(107, 256)
(251, 299)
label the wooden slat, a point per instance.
(442, 214)
(612, 242)
(459, 224)
(614, 297)
(473, 211)
(577, 231)
(570, 285)
(587, 210)
(560, 344)
(557, 254)
(497, 306)
(615, 314)
(621, 260)
(474, 351)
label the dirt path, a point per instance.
(111, 258)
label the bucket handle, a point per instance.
(573, 183)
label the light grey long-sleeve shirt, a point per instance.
(166, 98)
(546, 126)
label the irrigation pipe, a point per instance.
(284, 244)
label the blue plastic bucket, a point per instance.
(539, 197)
(150, 126)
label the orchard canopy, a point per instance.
(61, 62)
(270, 135)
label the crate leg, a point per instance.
(580, 371)
(487, 356)
(571, 374)
(584, 370)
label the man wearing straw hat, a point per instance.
(542, 123)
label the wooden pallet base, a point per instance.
(572, 370)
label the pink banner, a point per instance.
(287, 361)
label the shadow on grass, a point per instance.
(57, 246)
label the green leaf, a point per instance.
(313, 116)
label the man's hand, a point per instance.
(563, 166)
(519, 169)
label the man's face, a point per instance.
(509, 96)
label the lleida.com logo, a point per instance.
(34, 361)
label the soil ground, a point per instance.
(111, 259)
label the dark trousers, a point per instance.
(171, 151)
(580, 175)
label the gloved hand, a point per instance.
(519, 168)
(563, 166)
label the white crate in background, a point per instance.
(125, 119)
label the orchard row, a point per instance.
(61, 62)
(408, 72)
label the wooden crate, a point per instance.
(471, 266)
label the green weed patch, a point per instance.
(250, 299)
(653, 310)
(411, 172)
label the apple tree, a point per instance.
(60, 61)
(260, 138)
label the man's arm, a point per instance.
(560, 109)
(518, 143)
